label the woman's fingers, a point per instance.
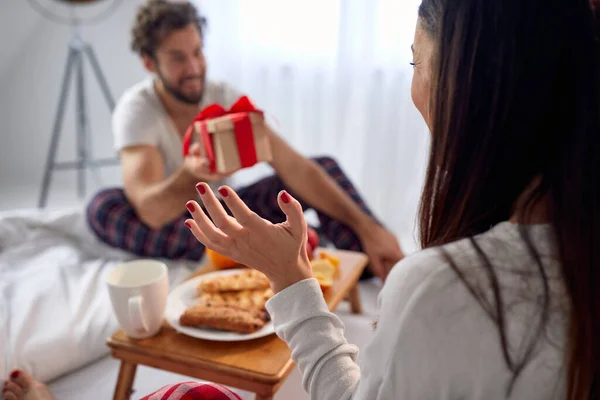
(216, 211)
(244, 216)
(202, 238)
(214, 235)
(293, 210)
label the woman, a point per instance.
(502, 302)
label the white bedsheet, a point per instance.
(55, 313)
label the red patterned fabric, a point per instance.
(193, 391)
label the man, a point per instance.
(150, 119)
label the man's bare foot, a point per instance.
(22, 386)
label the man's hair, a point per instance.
(156, 19)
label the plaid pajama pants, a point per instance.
(113, 219)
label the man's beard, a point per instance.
(179, 95)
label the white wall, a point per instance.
(32, 60)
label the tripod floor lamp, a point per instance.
(78, 52)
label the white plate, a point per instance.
(184, 296)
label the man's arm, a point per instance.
(157, 199)
(308, 180)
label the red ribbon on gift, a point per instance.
(242, 126)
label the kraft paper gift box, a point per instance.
(230, 139)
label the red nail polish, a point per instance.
(285, 197)
(223, 192)
(187, 223)
(200, 187)
(14, 375)
(190, 207)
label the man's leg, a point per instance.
(261, 197)
(114, 221)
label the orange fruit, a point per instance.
(325, 282)
(324, 271)
(220, 261)
(334, 260)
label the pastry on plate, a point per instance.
(225, 318)
(246, 280)
(247, 299)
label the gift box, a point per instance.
(230, 139)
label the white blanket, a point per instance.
(55, 313)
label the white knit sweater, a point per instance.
(433, 339)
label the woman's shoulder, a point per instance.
(505, 243)
(438, 317)
(417, 274)
(458, 268)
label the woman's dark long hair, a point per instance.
(516, 100)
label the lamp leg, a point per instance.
(56, 129)
(89, 50)
(82, 132)
(100, 76)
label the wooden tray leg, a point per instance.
(125, 381)
(354, 298)
(267, 393)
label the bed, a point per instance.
(55, 313)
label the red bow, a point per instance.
(242, 127)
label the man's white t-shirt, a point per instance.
(141, 119)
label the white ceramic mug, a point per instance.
(138, 292)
